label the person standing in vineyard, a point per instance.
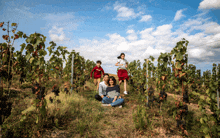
(97, 75)
(102, 88)
(122, 72)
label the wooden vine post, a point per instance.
(72, 72)
(217, 88)
(146, 79)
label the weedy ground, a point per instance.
(80, 115)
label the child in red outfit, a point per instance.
(97, 75)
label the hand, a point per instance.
(113, 101)
(126, 66)
(108, 96)
(119, 97)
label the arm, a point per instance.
(92, 72)
(118, 94)
(116, 64)
(114, 99)
(102, 72)
(100, 91)
(126, 65)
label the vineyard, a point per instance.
(39, 99)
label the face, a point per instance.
(111, 82)
(105, 78)
(98, 64)
(122, 56)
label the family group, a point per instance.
(109, 91)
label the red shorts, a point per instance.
(97, 77)
(122, 74)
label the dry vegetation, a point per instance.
(80, 115)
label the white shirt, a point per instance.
(102, 88)
(121, 61)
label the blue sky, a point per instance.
(101, 30)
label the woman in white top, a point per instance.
(122, 72)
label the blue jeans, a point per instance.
(107, 100)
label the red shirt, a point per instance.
(97, 73)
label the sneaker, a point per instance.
(120, 106)
(125, 92)
(104, 104)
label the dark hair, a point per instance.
(98, 61)
(121, 55)
(114, 80)
(106, 74)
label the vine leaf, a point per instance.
(1, 24)
(181, 74)
(163, 78)
(31, 60)
(5, 37)
(13, 31)
(13, 24)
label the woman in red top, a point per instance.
(97, 75)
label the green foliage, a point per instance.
(141, 119)
(210, 101)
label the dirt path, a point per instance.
(129, 117)
(191, 106)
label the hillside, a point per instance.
(80, 115)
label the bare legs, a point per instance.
(125, 84)
(120, 82)
(96, 82)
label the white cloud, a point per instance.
(209, 4)
(179, 15)
(132, 35)
(123, 47)
(125, 13)
(145, 18)
(200, 53)
(67, 21)
(106, 8)
(213, 28)
(191, 22)
(163, 30)
(151, 51)
(199, 24)
(57, 34)
(146, 33)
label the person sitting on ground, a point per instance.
(113, 97)
(102, 88)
